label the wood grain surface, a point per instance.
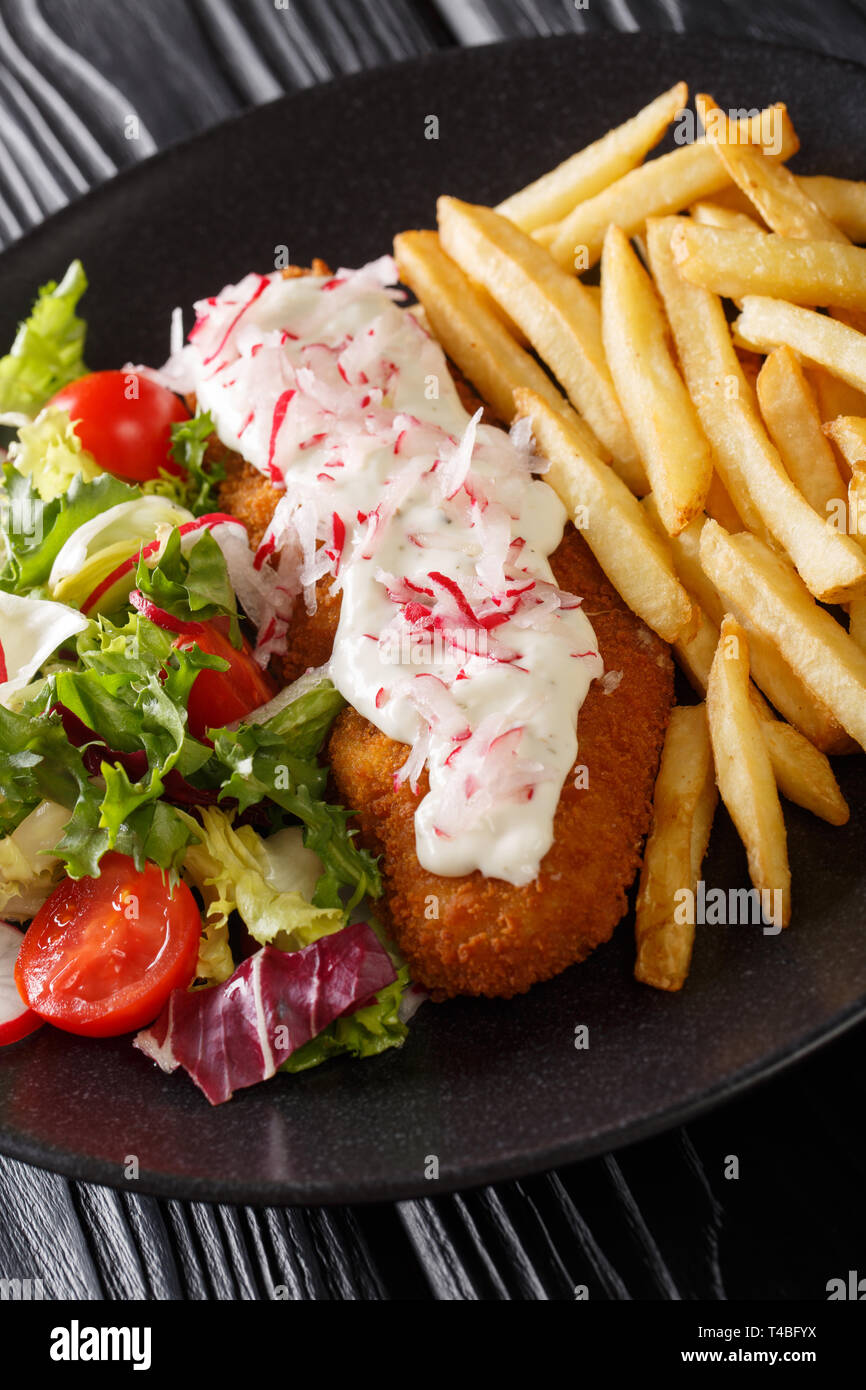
(660, 1220)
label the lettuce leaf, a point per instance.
(39, 764)
(131, 691)
(272, 761)
(231, 868)
(51, 453)
(194, 587)
(365, 1033)
(203, 472)
(48, 349)
(36, 530)
(29, 870)
(31, 630)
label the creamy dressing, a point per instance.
(453, 637)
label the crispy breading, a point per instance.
(474, 935)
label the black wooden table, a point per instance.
(664, 1219)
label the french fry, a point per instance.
(737, 263)
(777, 604)
(708, 362)
(769, 669)
(471, 334)
(546, 235)
(695, 648)
(793, 420)
(720, 507)
(835, 397)
(803, 774)
(683, 806)
(709, 214)
(766, 323)
(744, 772)
(750, 365)
(848, 433)
(842, 200)
(664, 185)
(594, 167)
(632, 555)
(776, 194)
(657, 405)
(771, 187)
(553, 310)
(857, 622)
(497, 310)
(751, 469)
(734, 200)
(857, 500)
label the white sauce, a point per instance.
(335, 391)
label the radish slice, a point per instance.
(148, 609)
(120, 581)
(16, 1020)
(133, 521)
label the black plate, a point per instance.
(490, 1089)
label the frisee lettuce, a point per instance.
(230, 867)
(203, 471)
(263, 766)
(48, 351)
(51, 453)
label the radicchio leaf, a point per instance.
(239, 1032)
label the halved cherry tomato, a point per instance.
(102, 955)
(221, 697)
(124, 420)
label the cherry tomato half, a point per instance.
(103, 954)
(124, 420)
(221, 697)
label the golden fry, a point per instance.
(744, 771)
(683, 806)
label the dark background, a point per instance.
(659, 1220)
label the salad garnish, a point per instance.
(165, 823)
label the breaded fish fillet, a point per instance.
(472, 935)
(475, 935)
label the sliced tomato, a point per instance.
(124, 420)
(102, 955)
(221, 697)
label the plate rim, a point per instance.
(267, 1192)
(508, 1167)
